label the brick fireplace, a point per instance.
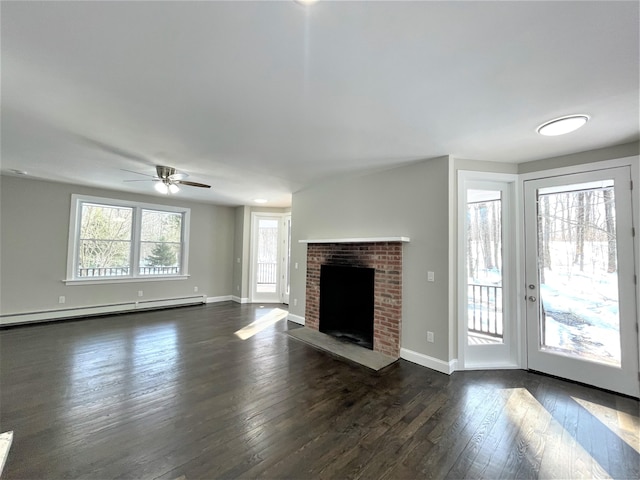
(383, 256)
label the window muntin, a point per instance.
(114, 240)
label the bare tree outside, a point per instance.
(577, 271)
(484, 267)
(106, 237)
(160, 242)
(105, 240)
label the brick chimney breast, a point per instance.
(386, 259)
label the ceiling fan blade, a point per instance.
(191, 184)
(138, 173)
(150, 180)
(178, 176)
(115, 150)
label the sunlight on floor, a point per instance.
(261, 323)
(629, 433)
(538, 428)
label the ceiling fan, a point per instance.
(167, 180)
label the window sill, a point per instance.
(103, 280)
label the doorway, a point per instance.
(270, 253)
(579, 276)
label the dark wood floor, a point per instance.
(170, 393)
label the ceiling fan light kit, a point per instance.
(168, 179)
(165, 187)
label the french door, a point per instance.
(579, 274)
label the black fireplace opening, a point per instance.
(347, 303)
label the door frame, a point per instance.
(631, 161)
(507, 355)
(285, 257)
(277, 296)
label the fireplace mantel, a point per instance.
(357, 240)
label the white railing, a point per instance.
(124, 271)
(485, 310)
(267, 273)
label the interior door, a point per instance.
(580, 291)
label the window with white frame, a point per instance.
(115, 240)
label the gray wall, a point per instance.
(601, 154)
(34, 218)
(241, 252)
(407, 201)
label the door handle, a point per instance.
(532, 298)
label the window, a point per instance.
(113, 240)
(160, 243)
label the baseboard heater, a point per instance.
(61, 314)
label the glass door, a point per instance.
(580, 291)
(487, 327)
(265, 262)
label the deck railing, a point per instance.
(267, 273)
(123, 271)
(485, 310)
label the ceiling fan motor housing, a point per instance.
(165, 172)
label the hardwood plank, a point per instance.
(174, 393)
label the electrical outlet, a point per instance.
(430, 337)
(295, 302)
(61, 299)
(430, 277)
(296, 265)
(140, 293)
(195, 289)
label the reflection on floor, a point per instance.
(266, 320)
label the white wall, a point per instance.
(34, 218)
(408, 201)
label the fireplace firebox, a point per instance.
(347, 303)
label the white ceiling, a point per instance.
(261, 99)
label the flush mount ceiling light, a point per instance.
(562, 125)
(260, 200)
(305, 2)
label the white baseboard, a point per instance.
(239, 300)
(488, 366)
(30, 317)
(223, 298)
(429, 362)
(295, 319)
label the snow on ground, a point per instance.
(582, 315)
